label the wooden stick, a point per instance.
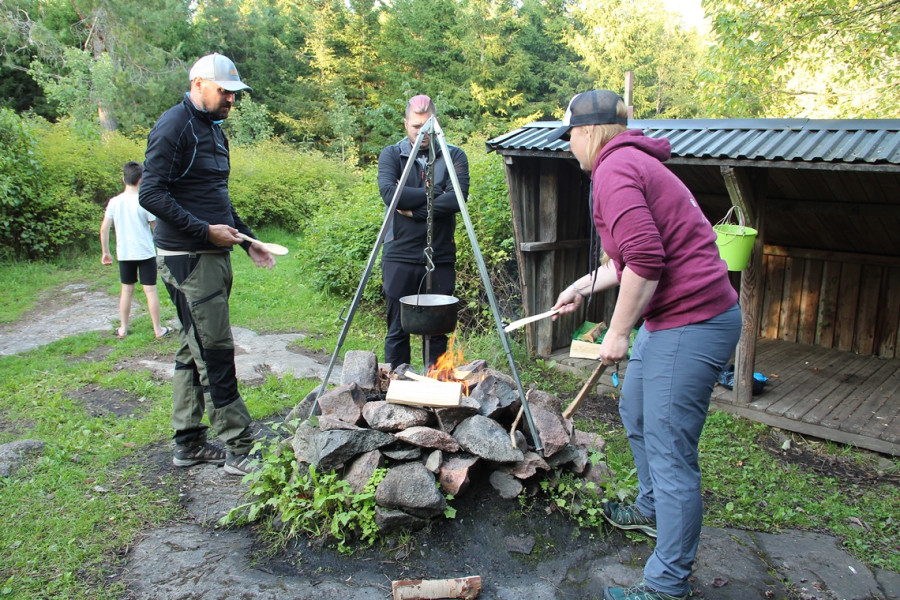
(531, 319)
(592, 380)
(465, 588)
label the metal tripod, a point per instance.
(431, 126)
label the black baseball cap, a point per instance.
(596, 107)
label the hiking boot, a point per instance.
(187, 455)
(240, 464)
(628, 517)
(641, 591)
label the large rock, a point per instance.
(507, 486)
(494, 396)
(343, 403)
(385, 416)
(360, 470)
(426, 437)
(392, 520)
(360, 367)
(411, 488)
(331, 449)
(574, 457)
(454, 474)
(528, 467)
(485, 437)
(553, 430)
(449, 418)
(13, 453)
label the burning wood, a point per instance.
(424, 392)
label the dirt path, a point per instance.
(520, 553)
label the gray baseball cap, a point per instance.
(219, 69)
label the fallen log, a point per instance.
(465, 588)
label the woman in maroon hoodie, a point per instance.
(662, 254)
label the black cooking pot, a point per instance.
(428, 314)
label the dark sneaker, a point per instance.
(240, 464)
(187, 455)
(640, 591)
(628, 517)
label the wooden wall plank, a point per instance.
(831, 280)
(809, 302)
(789, 319)
(774, 286)
(867, 309)
(889, 319)
(847, 301)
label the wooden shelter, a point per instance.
(821, 294)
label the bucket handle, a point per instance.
(738, 213)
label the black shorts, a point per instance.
(129, 269)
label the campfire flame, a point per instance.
(446, 367)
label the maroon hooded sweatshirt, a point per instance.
(649, 221)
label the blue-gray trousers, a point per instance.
(665, 399)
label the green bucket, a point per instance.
(735, 244)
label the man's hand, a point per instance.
(405, 213)
(261, 257)
(223, 236)
(106, 259)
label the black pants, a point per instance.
(403, 279)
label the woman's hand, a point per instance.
(614, 347)
(568, 301)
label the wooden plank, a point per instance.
(867, 310)
(809, 301)
(834, 256)
(464, 588)
(866, 416)
(841, 437)
(848, 384)
(831, 391)
(815, 370)
(783, 378)
(831, 279)
(803, 380)
(890, 426)
(548, 202)
(582, 349)
(424, 393)
(790, 301)
(889, 320)
(774, 286)
(848, 298)
(860, 393)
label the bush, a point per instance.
(274, 185)
(19, 180)
(342, 235)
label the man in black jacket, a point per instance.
(403, 257)
(185, 184)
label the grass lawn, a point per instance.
(71, 512)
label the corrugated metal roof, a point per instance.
(795, 140)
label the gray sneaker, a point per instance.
(240, 464)
(188, 455)
(628, 517)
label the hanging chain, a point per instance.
(429, 198)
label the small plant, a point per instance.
(308, 502)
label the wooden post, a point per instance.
(749, 193)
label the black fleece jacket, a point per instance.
(185, 180)
(405, 242)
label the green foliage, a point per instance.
(307, 502)
(802, 58)
(248, 123)
(19, 179)
(273, 185)
(341, 235)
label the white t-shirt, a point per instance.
(134, 240)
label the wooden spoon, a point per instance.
(274, 249)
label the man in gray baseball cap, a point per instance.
(185, 185)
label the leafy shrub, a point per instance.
(489, 209)
(55, 184)
(274, 185)
(342, 234)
